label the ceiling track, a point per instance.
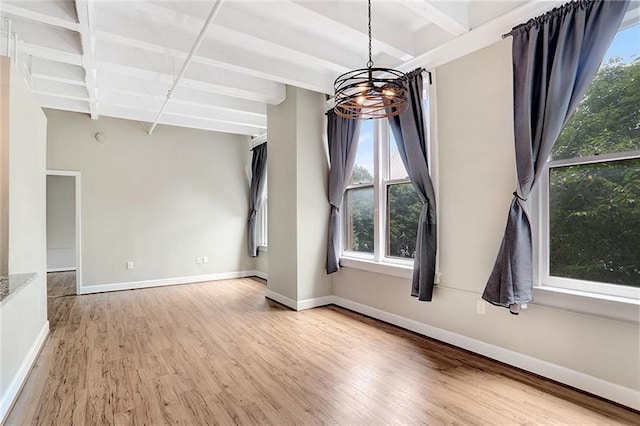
(203, 32)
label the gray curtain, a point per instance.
(342, 135)
(409, 129)
(256, 193)
(555, 58)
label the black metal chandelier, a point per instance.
(370, 92)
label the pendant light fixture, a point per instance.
(370, 92)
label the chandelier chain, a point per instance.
(370, 63)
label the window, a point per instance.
(382, 208)
(590, 192)
(261, 224)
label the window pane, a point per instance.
(402, 225)
(608, 118)
(594, 222)
(363, 170)
(396, 166)
(359, 220)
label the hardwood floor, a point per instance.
(220, 353)
(61, 284)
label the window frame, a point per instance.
(545, 278)
(379, 261)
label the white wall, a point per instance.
(281, 187)
(262, 263)
(61, 224)
(297, 188)
(159, 201)
(23, 319)
(476, 163)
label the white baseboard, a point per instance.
(11, 394)
(64, 269)
(133, 285)
(289, 303)
(611, 391)
(261, 274)
(314, 303)
(300, 305)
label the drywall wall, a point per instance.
(262, 263)
(158, 201)
(476, 163)
(297, 188)
(23, 318)
(61, 223)
(312, 190)
(281, 187)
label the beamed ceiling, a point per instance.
(120, 58)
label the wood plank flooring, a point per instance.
(220, 353)
(61, 284)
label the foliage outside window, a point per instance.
(591, 231)
(382, 208)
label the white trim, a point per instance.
(261, 274)
(258, 140)
(133, 285)
(598, 305)
(63, 269)
(390, 269)
(78, 195)
(314, 303)
(284, 300)
(299, 305)
(611, 391)
(13, 390)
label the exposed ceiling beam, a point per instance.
(232, 58)
(480, 37)
(57, 71)
(332, 20)
(242, 29)
(146, 103)
(440, 18)
(173, 120)
(49, 53)
(61, 90)
(85, 18)
(162, 68)
(145, 87)
(55, 102)
(14, 9)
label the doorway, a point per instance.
(63, 234)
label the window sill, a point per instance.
(397, 270)
(610, 307)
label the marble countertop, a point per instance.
(11, 286)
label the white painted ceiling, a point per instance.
(119, 58)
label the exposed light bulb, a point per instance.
(389, 93)
(360, 100)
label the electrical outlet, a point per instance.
(129, 265)
(481, 307)
(205, 259)
(198, 260)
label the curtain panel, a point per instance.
(256, 193)
(410, 132)
(555, 58)
(342, 135)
